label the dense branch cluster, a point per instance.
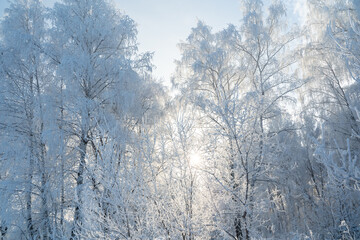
(259, 141)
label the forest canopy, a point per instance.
(257, 139)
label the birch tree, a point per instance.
(239, 78)
(99, 59)
(26, 76)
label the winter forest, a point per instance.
(258, 137)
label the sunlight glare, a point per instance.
(195, 159)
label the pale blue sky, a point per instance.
(162, 24)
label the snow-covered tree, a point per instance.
(240, 79)
(105, 89)
(331, 104)
(92, 147)
(25, 77)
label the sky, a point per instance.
(162, 24)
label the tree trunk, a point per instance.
(44, 204)
(29, 220)
(29, 109)
(62, 158)
(79, 182)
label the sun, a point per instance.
(195, 159)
